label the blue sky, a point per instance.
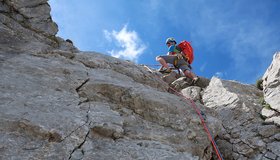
(233, 39)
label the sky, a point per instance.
(232, 39)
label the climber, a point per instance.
(175, 57)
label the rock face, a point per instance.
(244, 134)
(56, 108)
(27, 27)
(271, 84)
(59, 103)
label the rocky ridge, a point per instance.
(60, 103)
(271, 87)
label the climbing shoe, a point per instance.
(165, 70)
(195, 79)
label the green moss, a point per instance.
(264, 104)
(267, 106)
(259, 84)
(262, 101)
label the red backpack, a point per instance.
(187, 50)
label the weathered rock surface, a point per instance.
(271, 85)
(59, 103)
(184, 82)
(27, 27)
(245, 136)
(55, 107)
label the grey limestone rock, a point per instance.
(53, 107)
(57, 102)
(271, 85)
(239, 109)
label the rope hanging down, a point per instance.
(210, 137)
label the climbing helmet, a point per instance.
(170, 39)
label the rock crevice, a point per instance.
(59, 103)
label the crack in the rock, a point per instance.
(87, 119)
(276, 114)
(81, 102)
(80, 86)
(35, 5)
(14, 10)
(78, 89)
(81, 144)
(84, 140)
(207, 152)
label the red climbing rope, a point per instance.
(210, 137)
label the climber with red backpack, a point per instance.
(181, 56)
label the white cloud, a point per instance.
(108, 35)
(131, 46)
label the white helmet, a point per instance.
(170, 39)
